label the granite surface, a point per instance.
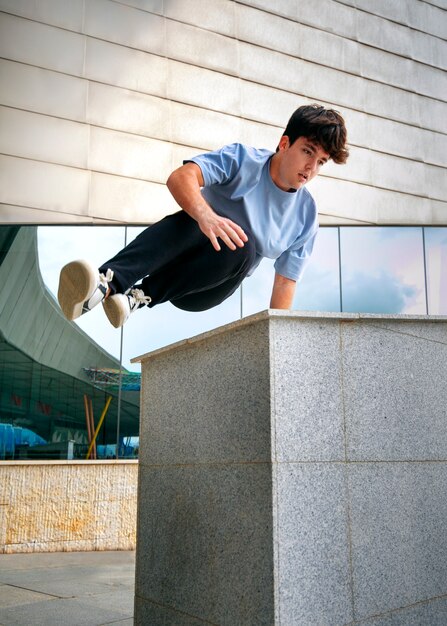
(399, 543)
(395, 396)
(209, 402)
(307, 408)
(314, 585)
(293, 471)
(205, 541)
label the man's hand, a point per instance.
(184, 184)
(217, 227)
(282, 293)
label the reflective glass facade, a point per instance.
(54, 374)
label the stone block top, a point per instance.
(272, 314)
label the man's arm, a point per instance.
(282, 292)
(184, 184)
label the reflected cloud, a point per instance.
(381, 293)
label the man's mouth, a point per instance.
(303, 177)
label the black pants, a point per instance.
(175, 261)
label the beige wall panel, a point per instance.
(129, 155)
(389, 172)
(10, 213)
(439, 214)
(260, 135)
(128, 200)
(43, 185)
(201, 47)
(274, 107)
(287, 8)
(43, 91)
(376, 133)
(369, 204)
(318, 46)
(414, 13)
(46, 46)
(65, 13)
(204, 88)
(129, 111)
(217, 15)
(117, 65)
(180, 153)
(375, 31)
(43, 138)
(125, 25)
(153, 6)
(322, 83)
(207, 130)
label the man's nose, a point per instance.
(312, 164)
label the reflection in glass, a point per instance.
(382, 270)
(319, 289)
(436, 259)
(46, 363)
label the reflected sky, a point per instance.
(382, 272)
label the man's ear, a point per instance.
(284, 143)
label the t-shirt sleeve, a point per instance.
(292, 262)
(220, 166)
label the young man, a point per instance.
(240, 204)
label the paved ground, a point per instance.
(67, 589)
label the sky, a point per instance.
(382, 272)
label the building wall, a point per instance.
(64, 506)
(101, 99)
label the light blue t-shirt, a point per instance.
(284, 224)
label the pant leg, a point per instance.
(215, 275)
(156, 247)
(204, 300)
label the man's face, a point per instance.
(295, 165)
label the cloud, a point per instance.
(377, 293)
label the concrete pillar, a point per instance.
(293, 472)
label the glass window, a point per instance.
(319, 288)
(382, 270)
(436, 257)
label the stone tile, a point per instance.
(57, 612)
(229, 420)
(205, 543)
(14, 596)
(394, 394)
(431, 613)
(399, 545)
(313, 583)
(306, 394)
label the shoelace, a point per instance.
(107, 277)
(140, 297)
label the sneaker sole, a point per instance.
(77, 282)
(116, 313)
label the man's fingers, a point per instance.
(236, 235)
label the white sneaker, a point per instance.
(81, 287)
(119, 306)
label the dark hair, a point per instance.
(324, 126)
